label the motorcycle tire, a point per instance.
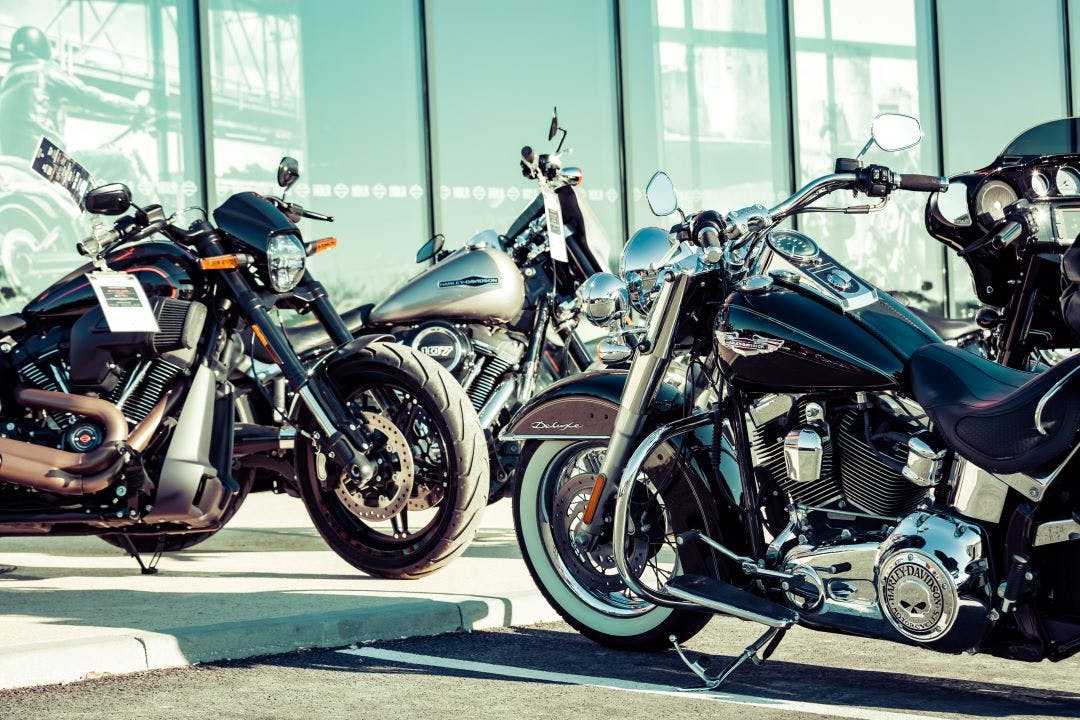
(392, 381)
(599, 611)
(171, 543)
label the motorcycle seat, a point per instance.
(987, 412)
(947, 328)
(11, 323)
(309, 335)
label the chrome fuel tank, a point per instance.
(474, 285)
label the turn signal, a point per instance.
(322, 245)
(220, 262)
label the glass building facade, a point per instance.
(408, 116)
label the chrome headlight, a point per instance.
(285, 258)
(639, 265)
(604, 299)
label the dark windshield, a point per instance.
(1057, 137)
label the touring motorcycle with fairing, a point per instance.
(119, 392)
(828, 462)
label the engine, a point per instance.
(482, 359)
(854, 478)
(131, 370)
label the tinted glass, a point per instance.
(335, 84)
(1059, 137)
(114, 86)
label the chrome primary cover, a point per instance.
(482, 285)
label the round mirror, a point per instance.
(604, 299)
(952, 205)
(892, 131)
(660, 193)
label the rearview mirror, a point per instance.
(660, 192)
(112, 199)
(288, 172)
(554, 124)
(892, 132)
(430, 249)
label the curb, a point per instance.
(87, 658)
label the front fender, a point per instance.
(327, 365)
(582, 407)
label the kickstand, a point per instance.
(768, 641)
(146, 568)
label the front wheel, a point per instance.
(424, 505)
(554, 483)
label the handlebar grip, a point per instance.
(527, 154)
(1010, 233)
(312, 215)
(923, 183)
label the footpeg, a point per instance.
(722, 597)
(765, 644)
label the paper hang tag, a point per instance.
(123, 301)
(556, 230)
(56, 166)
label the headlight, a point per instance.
(638, 265)
(285, 257)
(603, 299)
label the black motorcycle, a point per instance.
(499, 314)
(828, 462)
(1011, 222)
(118, 404)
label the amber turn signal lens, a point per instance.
(324, 244)
(594, 499)
(220, 262)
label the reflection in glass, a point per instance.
(108, 83)
(845, 77)
(335, 84)
(704, 97)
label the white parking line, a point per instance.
(520, 673)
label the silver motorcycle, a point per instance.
(828, 462)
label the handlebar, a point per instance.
(922, 183)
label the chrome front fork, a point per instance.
(646, 372)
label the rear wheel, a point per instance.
(425, 503)
(553, 486)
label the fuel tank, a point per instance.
(790, 339)
(471, 285)
(163, 269)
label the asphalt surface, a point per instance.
(537, 672)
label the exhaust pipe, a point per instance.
(71, 473)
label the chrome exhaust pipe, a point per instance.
(498, 400)
(72, 473)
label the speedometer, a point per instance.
(793, 245)
(1067, 181)
(993, 197)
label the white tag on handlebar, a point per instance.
(123, 301)
(555, 229)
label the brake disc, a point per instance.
(593, 568)
(387, 493)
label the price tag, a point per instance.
(556, 230)
(123, 301)
(56, 166)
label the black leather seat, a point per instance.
(310, 335)
(946, 328)
(986, 412)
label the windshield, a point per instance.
(1057, 137)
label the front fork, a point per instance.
(345, 438)
(646, 372)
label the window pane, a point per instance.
(853, 60)
(335, 84)
(978, 122)
(112, 85)
(705, 102)
(496, 70)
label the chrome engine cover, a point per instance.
(442, 342)
(927, 582)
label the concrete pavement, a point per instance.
(77, 608)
